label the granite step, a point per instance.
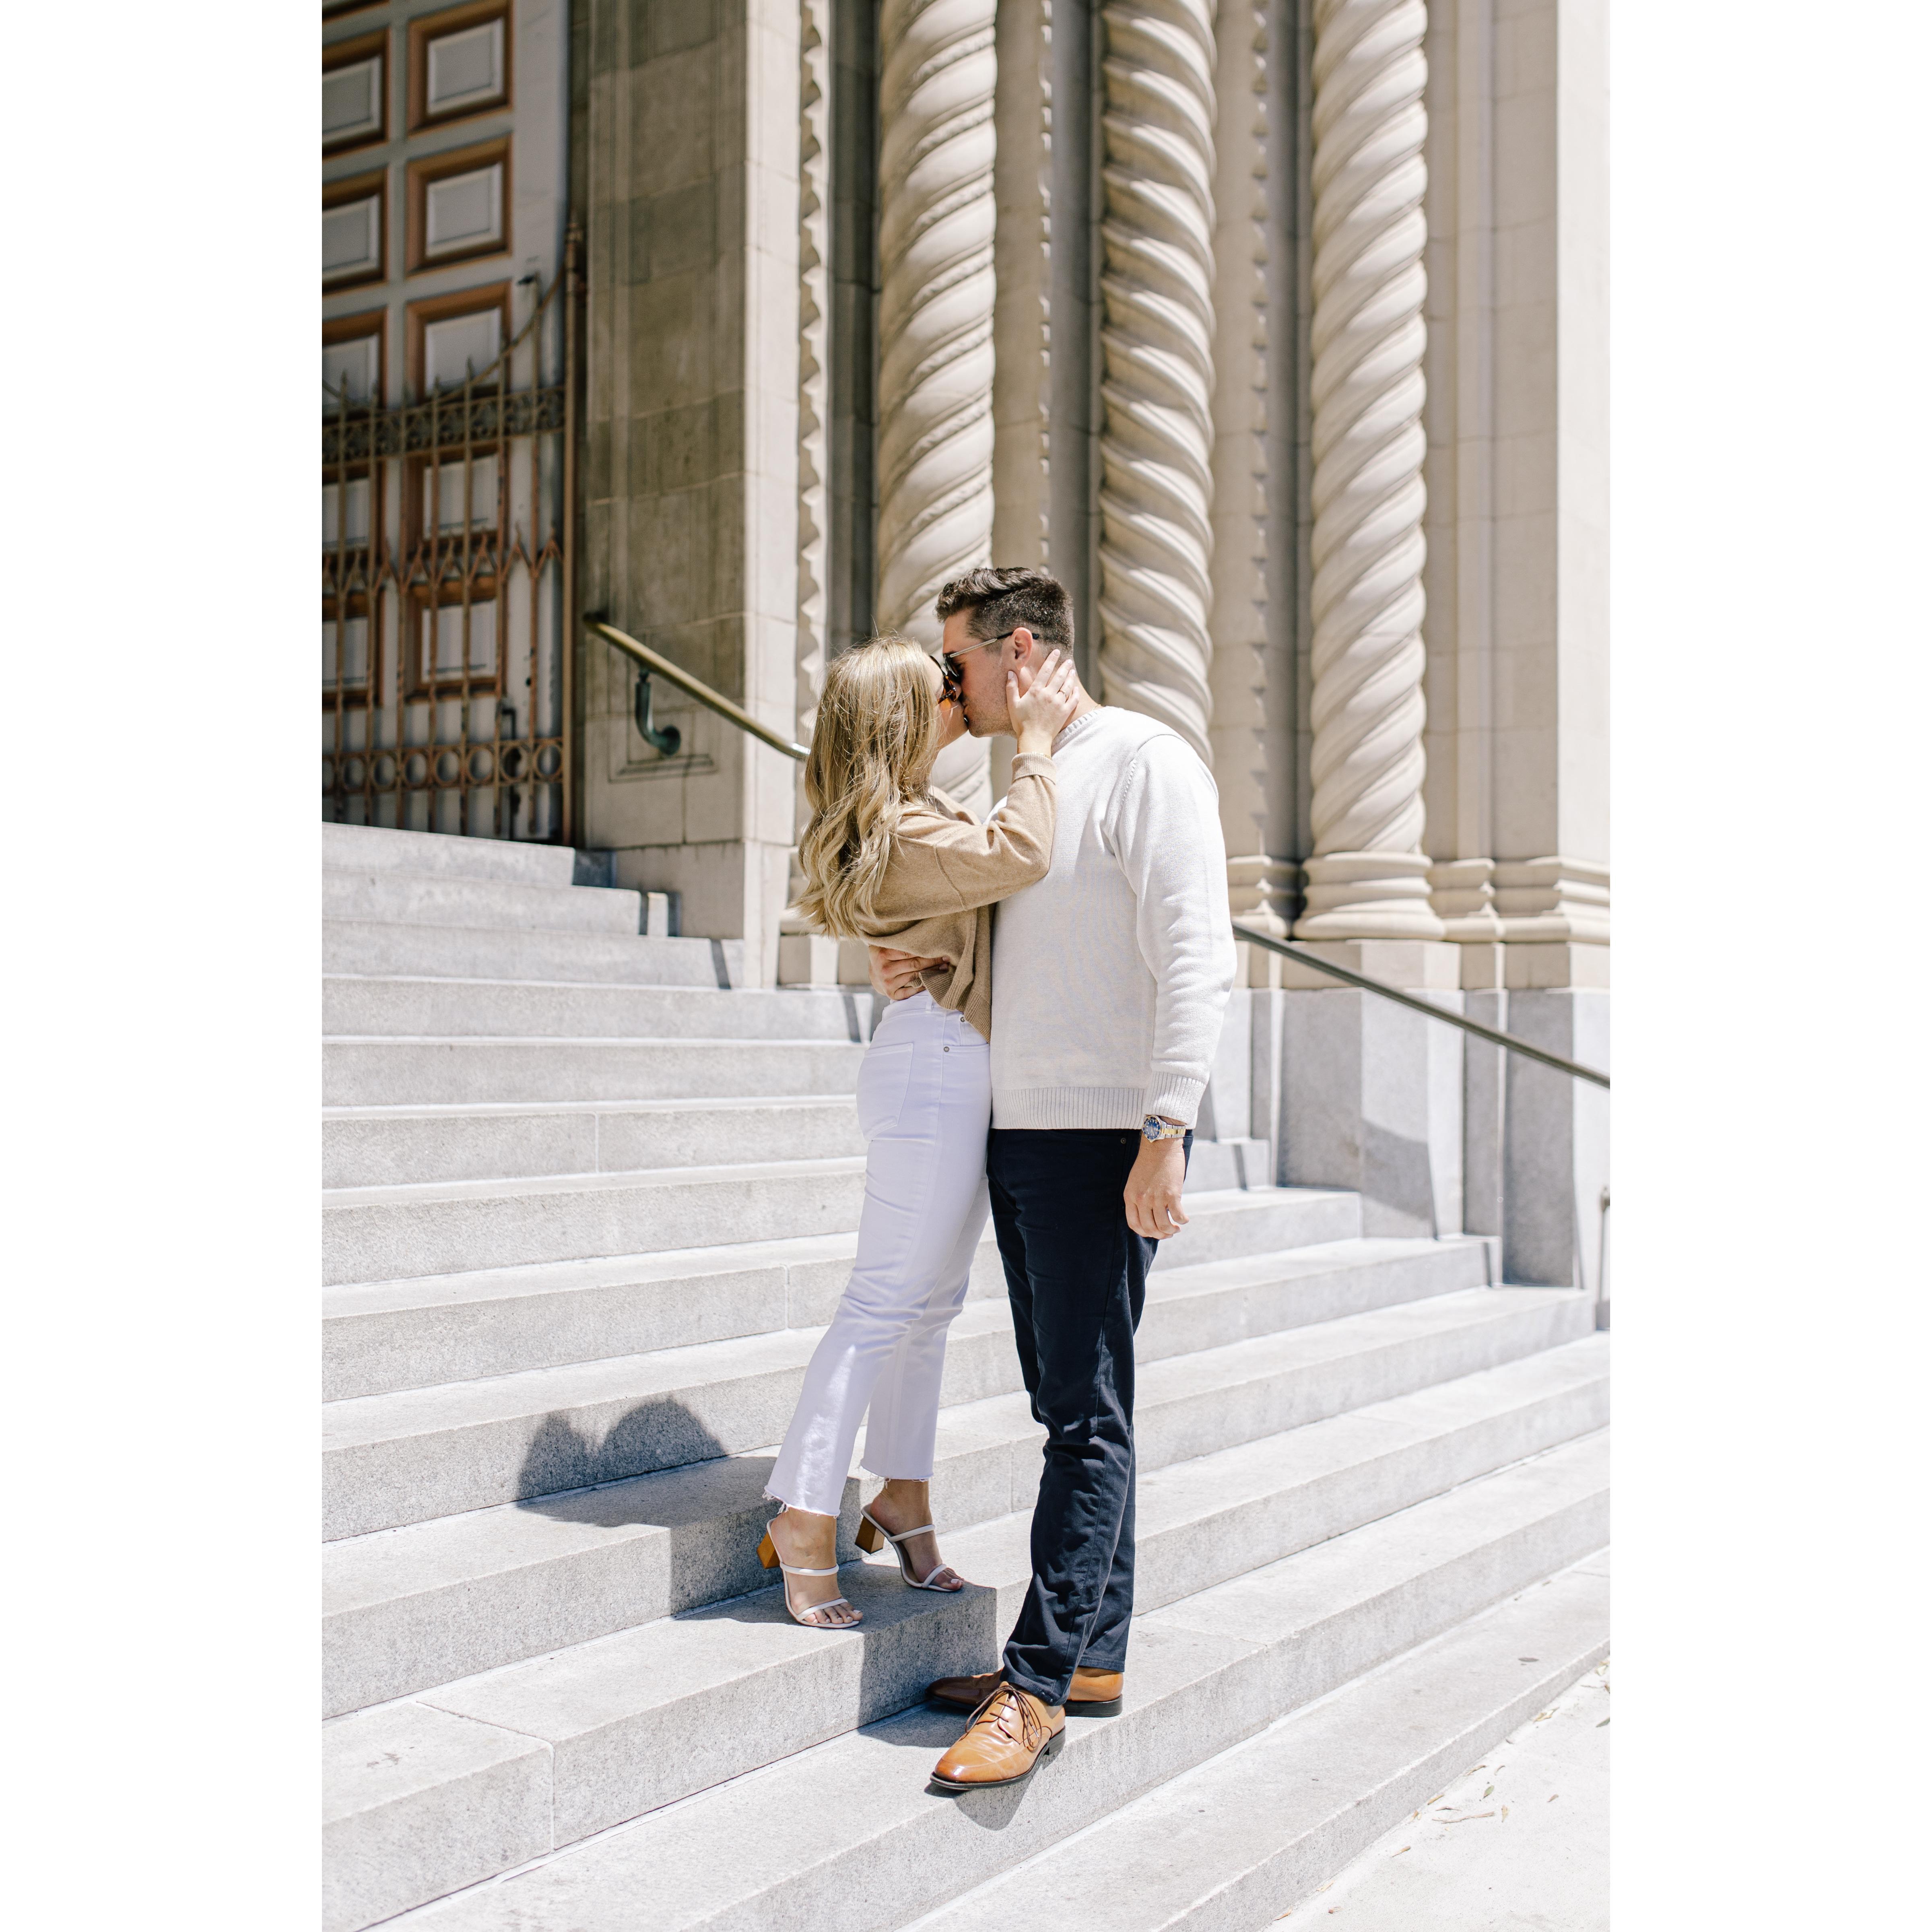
(389, 947)
(387, 1335)
(381, 1234)
(383, 1070)
(1238, 1841)
(380, 848)
(846, 1833)
(419, 1454)
(487, 1007)
(445, 898)
(382, 1146)
(408, 1608)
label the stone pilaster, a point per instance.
(1368, 878)
(1516, 415)
(937, 222)
(1250, 669)
(690, 151)
(1022, 251)
(814, 315)
(1157, 348)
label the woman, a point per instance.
(886, 859)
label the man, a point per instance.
(1110, 979)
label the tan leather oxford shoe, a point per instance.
(1094, 1693)
(1010, 1732)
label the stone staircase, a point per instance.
(589, 1201)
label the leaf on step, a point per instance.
(1529, 1659)
(1503, 1813)
(1604, 1721)
(1553, 1796)
(1398, 1852)
(1487, 1789)
(1468, 1818)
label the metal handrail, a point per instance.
(1504, 1039)
(662, 667)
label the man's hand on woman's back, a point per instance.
(896, 974)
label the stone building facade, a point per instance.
(1277, 329)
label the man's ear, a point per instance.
(1026, 645)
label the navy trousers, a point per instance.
(1076, 1275)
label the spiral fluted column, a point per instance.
(936, 223)
(1368, 878)
(1157, 347)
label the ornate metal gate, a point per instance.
(446, 585)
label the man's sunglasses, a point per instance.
(948, 662)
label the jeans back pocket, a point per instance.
(884, 1075)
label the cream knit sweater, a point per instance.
(1111, 974)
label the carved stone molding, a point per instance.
(936, 226)
(1463, 892)
(1157, 348)
(815, 305)
(1368, 878)
(1246, 659)
(1553, 899)
(938, 216)
(1023, 317)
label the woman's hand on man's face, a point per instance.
(1044, 706)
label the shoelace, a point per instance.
(1032, 1732)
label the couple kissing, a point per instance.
(1058, 978)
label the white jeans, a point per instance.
(925, 1103)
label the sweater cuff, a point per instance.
(1177, 1096)
(1032, 764)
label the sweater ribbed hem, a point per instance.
(1048, 1108)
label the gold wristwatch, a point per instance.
(1154, 1128)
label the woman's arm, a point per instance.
(951, 865)
(941, 865)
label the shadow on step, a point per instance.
(713, 1509)
(710, 1503)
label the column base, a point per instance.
(1553, 899)
(1260, 890)
(1368, 896)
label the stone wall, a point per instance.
(687, 115)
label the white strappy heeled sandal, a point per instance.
(768, 1554)
(873, 1534)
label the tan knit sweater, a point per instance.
(945, 874)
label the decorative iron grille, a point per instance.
(446, 581)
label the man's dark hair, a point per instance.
(1001, 600)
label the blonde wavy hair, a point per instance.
(872, 749)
